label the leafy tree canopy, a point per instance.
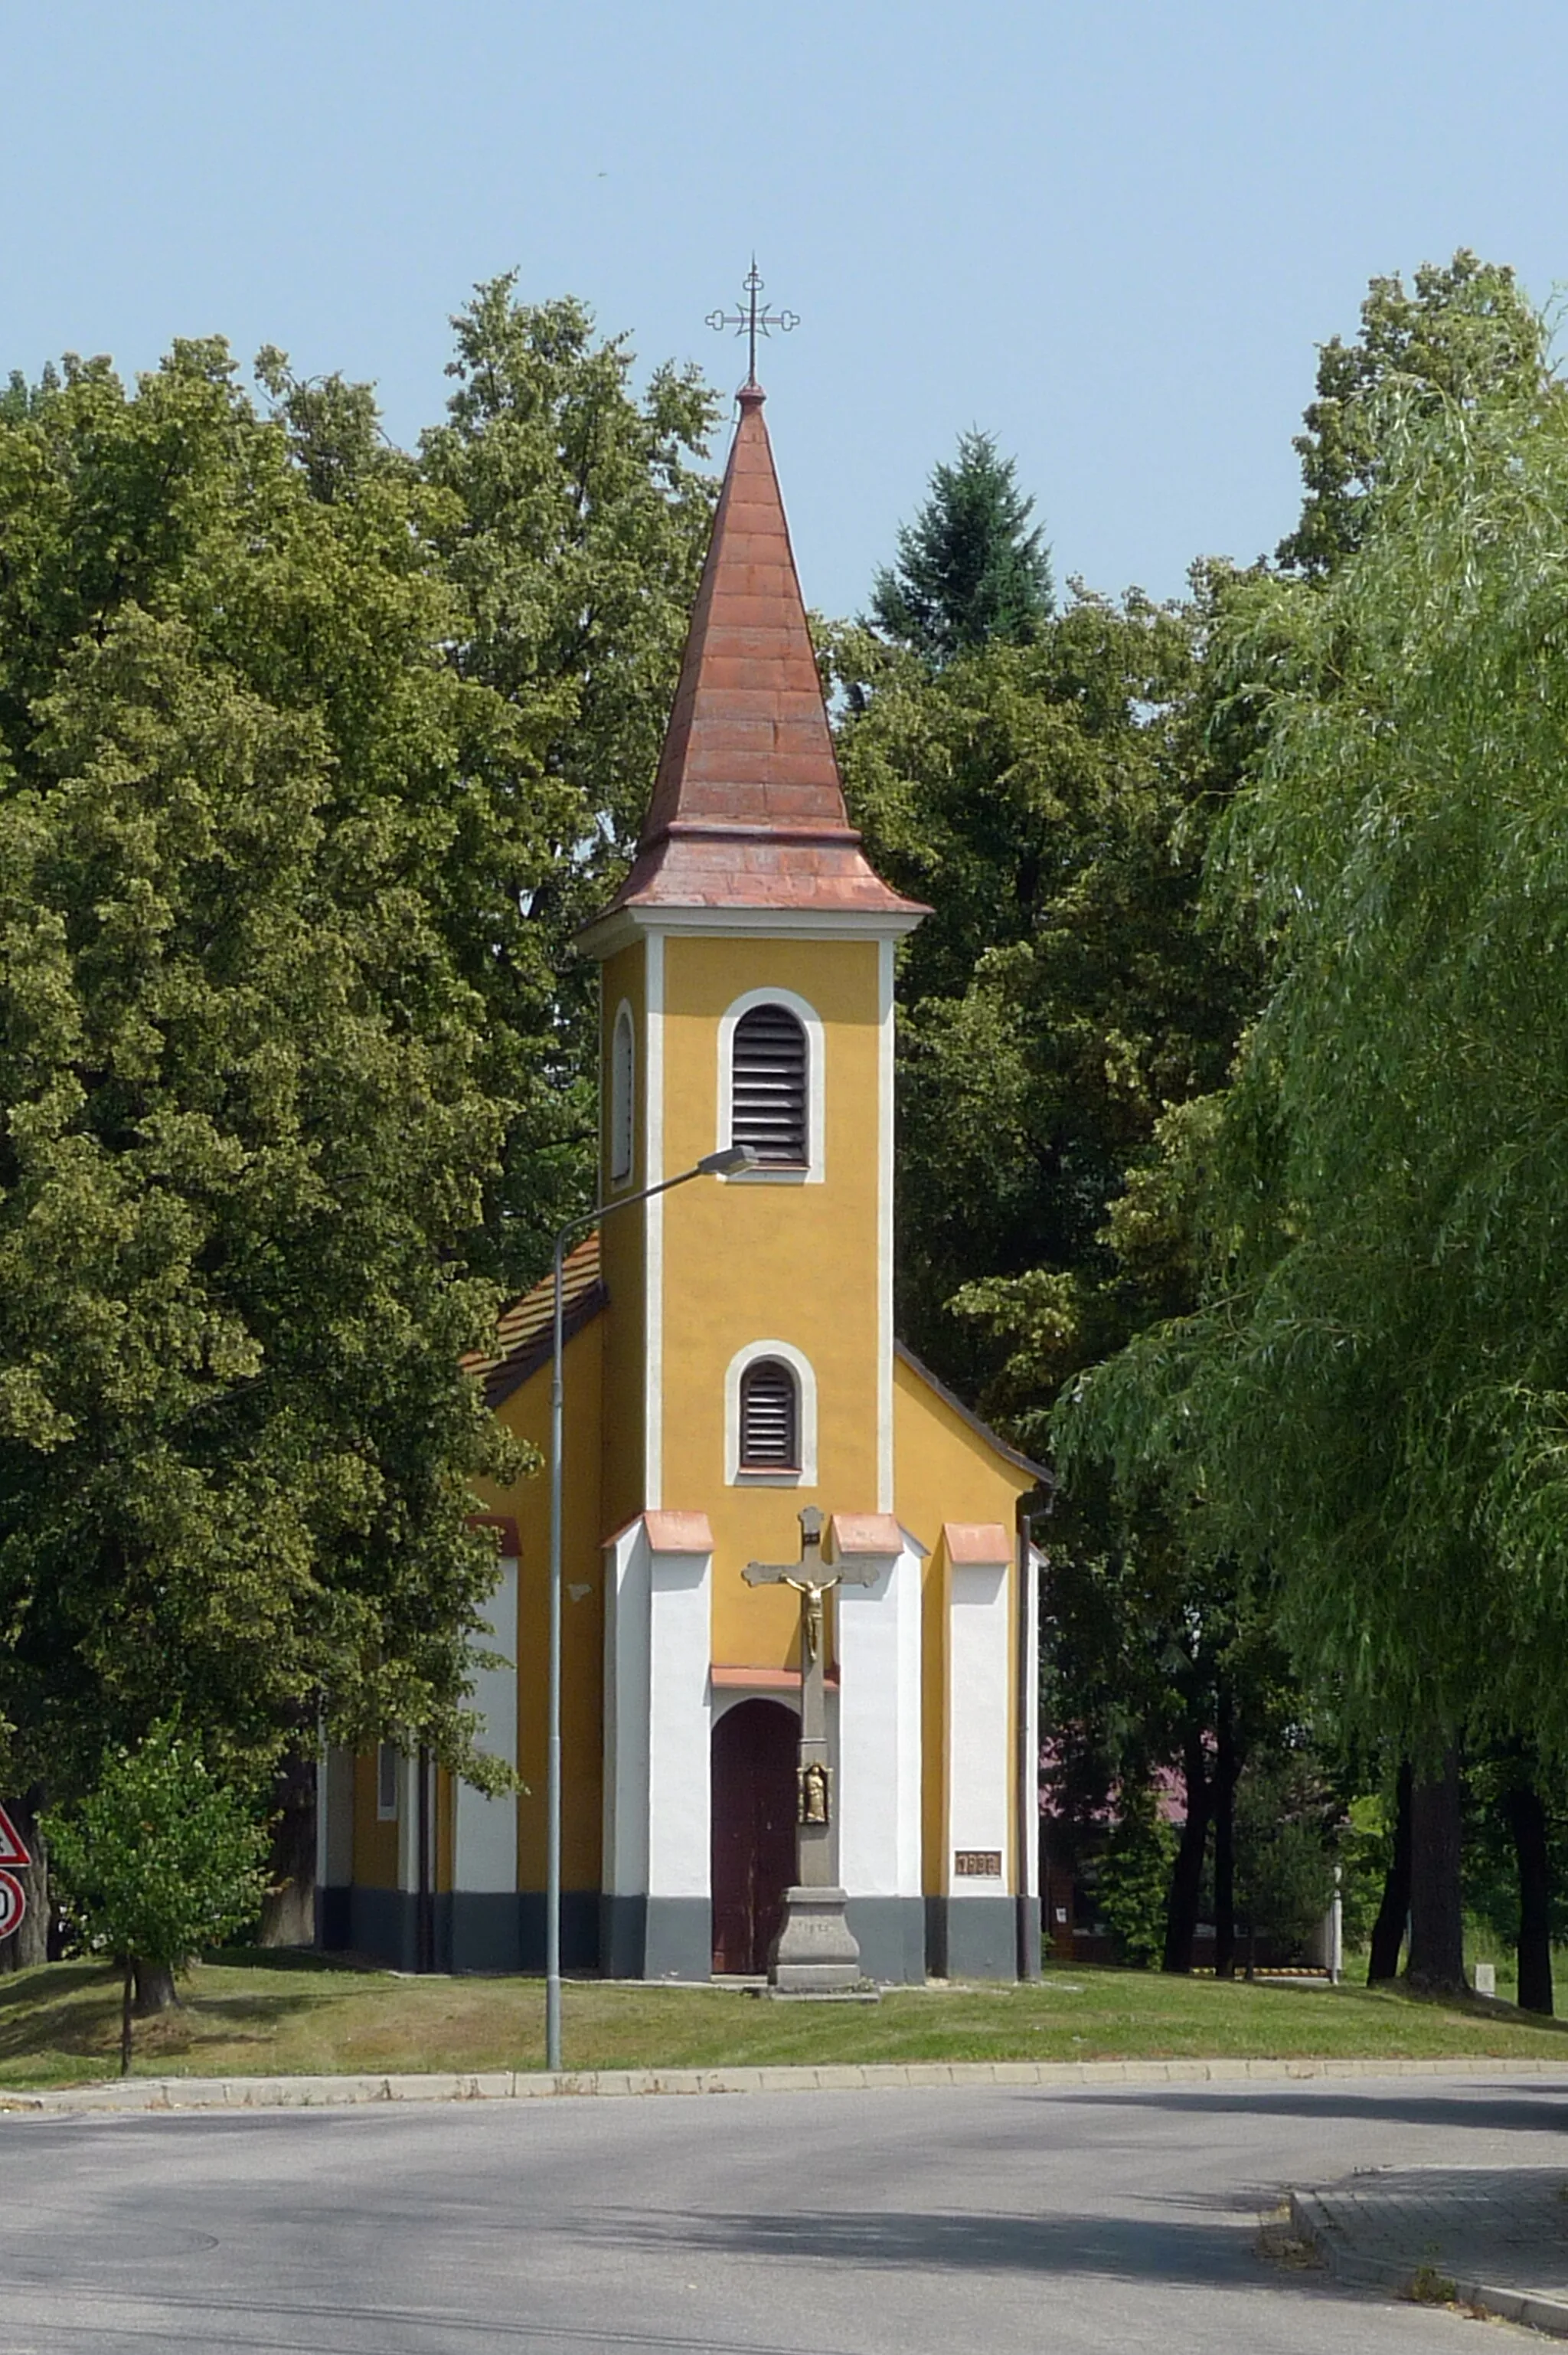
(1049, 801)
(1463, 331)
(1370, 1391)
(157, 1862)
(571, 527)
(309, 752)
(969, 570)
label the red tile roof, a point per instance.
(747, 807)
(522, 1341)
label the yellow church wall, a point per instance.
(527, 1414)
(746, 1262)
(623, 981)
(945, 1470)
(374, 1843)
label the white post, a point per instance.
(879, 1746)
(1337, 1933)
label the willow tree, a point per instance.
(1372, 1394)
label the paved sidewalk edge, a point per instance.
(142, 2094)
(1307, 2214)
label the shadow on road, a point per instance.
(1130, 2249)
(1539, 2110)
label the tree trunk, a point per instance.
(1435, 1963)
(1527, 1822)
(1394, 1914)
(155, 1988)
(30, 1942)
(1187, 1878)
(1227, 1771)
(127, 1989)
(289, 1908)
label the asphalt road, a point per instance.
(920, 2223)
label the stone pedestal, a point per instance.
(815, 1952)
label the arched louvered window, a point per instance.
(622, 1097)
(768, 1097)
(769, 1418)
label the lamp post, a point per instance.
(727, 1163)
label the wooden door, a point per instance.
(754, 1753)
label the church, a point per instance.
(730, 1358)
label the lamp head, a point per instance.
(730, 1161)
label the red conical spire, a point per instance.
(748, 808)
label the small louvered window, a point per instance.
(386, 1782)
(769, 1418)
(769, 1093)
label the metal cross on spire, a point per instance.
(754, 320)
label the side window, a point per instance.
(769, 1418)
(622, 1097)
(387, 1782)
(768, 1086)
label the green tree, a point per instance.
(1371, 1386)
(1285, 1867)
(571, 523)
(252, 1129)
(1052, 801)
(969, 571)
(1464, 331)
(1133, 1873)
(157, 1862)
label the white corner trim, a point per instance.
(810, 1021)
(680, 1643)
(879, 1647)
(484, 1830)
(621, 1101)
(657, 1641)
(407, 1820)
(626, 1668)
(654, 1228)
(801, 1367)
(335, 1817)
(979, 1768)
(885, 1119)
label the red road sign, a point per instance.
(13, 1846)
(13, 1903)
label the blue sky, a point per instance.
(1110, 233)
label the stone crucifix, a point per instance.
(814, 1953)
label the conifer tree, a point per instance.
(969, 570)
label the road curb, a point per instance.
(159, 2094)
(1398, 2278)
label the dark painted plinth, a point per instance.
(972, 1937)
(891, 1934)
(475, 1930)
(656, 1937)
(334, 1907)
(637, 1937)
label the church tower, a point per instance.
(748, 997)
(729, 1360)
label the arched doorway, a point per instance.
(753, 1753)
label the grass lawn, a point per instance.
(255, 2015)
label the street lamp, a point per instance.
(727, 1163)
